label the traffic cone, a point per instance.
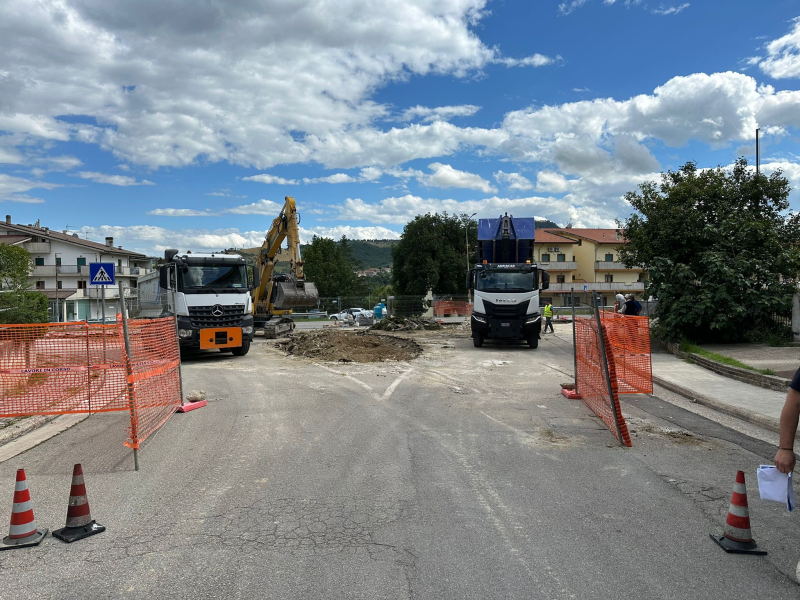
(737, 537)
(22, 532)
(79, 518)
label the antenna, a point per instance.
(71, 227)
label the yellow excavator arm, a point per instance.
(277, 295)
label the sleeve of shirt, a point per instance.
(795, 385)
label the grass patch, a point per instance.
(688, 347)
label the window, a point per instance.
(609, 258)
(561, 258)
(81, 285)
(40, 285)
(81, 261)
(60, 285)
(560, 279)
(58, 261)
(609, 278)
(133, 283)
(545, 258)
(39, 262)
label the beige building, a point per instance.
(594, 265)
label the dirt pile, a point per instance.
(398, 323)
(342, 346)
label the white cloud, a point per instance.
(535, 60)
(262, 207)
(335, 178)
(783, 55)
(173, 83)
(445, 176)
(353, 233)
(583, 89)
(439, 113)
(566, 8)
(12, 189)
(670, 10)
(267, 178)
(180, 212)
(123, 167)
(514, 181)
(120, 180)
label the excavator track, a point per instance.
(275, 328)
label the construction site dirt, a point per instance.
(349, 346)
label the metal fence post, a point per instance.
(574, 340)
(129, 369)
(602, 343)
(175, 314)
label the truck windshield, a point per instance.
(213, 277)
(506, 281)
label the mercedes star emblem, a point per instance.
(217, 311)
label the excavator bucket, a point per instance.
(291, 294)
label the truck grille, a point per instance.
(202, 316)
(506, 311)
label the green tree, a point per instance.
(431, 255)
(720, 249)
(17, 303)
(329, 268)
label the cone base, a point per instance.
(73, 534)
(31, 540)
(187, 406)
(737, 547)
(571, 394)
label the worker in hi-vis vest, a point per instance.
(548, 317)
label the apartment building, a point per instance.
(594, 265)
(61, 269)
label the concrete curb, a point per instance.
(740, 413)
(12, 432)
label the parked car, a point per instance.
(354, 312)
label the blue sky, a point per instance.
(184, 123)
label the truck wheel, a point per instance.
(477, 340)
(242, 350)
(533, 341)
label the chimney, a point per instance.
(110, 242)
(8, 219)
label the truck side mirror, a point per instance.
(545, 280)
(256, 276)
(163, 277)
(469, 279)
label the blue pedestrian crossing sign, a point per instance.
(586, 288)
(101, 274)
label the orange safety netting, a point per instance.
(596, 378)
(630, 344)
(67, 368)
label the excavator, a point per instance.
(275, 295)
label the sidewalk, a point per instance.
(751, 403)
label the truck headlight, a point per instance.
(247, 330)
(533, 319)
(184, 333)
(479, 318)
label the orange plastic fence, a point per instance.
(446, 308)
(594, 377)
(630, 344)
(64, 368)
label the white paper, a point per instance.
(775, 486)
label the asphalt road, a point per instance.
(463, 474)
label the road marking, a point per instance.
(390, 390)
(351, 378)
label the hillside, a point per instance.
(368, 254)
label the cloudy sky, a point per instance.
(184, 123)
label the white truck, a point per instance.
(209, 293)
(506, 282)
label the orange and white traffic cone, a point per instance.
(737, 537)
(22, 532)
(79, 518)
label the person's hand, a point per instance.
(785, 460)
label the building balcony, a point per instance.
(121, 271)
(43, 271)
(37, 247)
(602, 265)
(599, 286)
(558, 266)
(95, 293)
